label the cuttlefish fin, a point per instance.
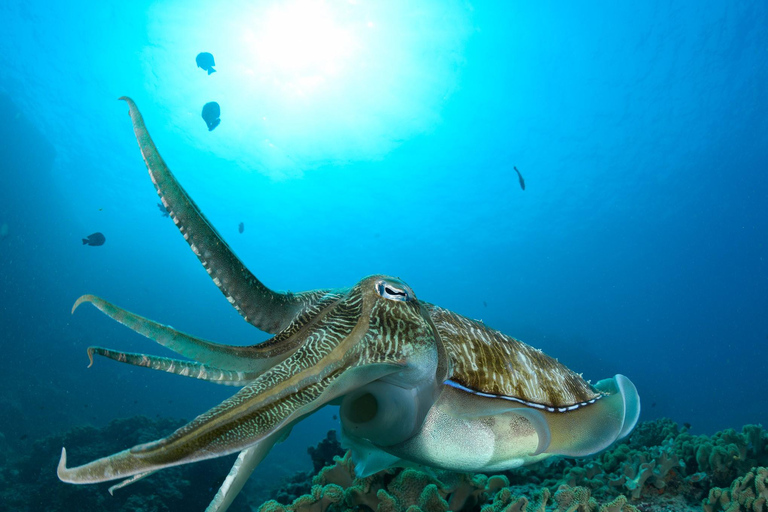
(592, 428)
(252, 359)
(262, 307)
(540, 425)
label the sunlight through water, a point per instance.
(300, 44)
(306, 83)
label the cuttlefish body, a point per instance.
(416, 383)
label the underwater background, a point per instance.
(362, 137)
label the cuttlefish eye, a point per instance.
(390, 290)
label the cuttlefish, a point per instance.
(416, 383)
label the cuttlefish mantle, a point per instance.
(416, 383)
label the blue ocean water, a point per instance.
(380, 137)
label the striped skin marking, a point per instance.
(176, 366)
(535, 405)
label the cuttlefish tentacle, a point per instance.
(129, 481)
(252, 359)
(176, 366)
(241, 470)
(343, 351)
(245, 420)
(265, 309)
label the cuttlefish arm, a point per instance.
(250, 360)
(265, 309)
(364, 341)
(241, 470)
(255, 415)
(176, 366)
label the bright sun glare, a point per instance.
(305, 83)
(301, 45)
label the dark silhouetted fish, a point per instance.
(94, 239)
(163, 210)
(241, 227)
(520, 177)
(211, 113)
(205, 60)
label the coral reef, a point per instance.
(747, 493)
(412, 490)
(300, 483)
(322, 455)
(28, 482)
(661, 467)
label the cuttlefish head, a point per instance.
(391, 409)
(384, 335)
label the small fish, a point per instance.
(687, 425)
(335, 417)
(3, 231)
(241, 227)
(520, 177)
(485, 304)
(163, 210)
(95, 239)
(211, 113)
(205, 60)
